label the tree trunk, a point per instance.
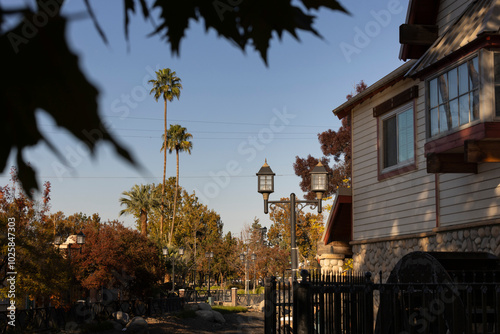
(175, 195)
(164, 169)
(144, 222)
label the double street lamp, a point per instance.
(165, 254)
(319, 185)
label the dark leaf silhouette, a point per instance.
(40, 72)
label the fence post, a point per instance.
(302, 305)
(270, 305)
(369, 320)
(234, 295)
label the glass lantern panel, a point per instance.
(318, 182)
(266, 183)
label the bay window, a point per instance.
(454, 97)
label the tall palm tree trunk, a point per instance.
(175, 195)
(164, 170)
(144, 222)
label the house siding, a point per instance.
(398, 205)
(449, 10)
(470, 198)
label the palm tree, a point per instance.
(168, 86)
(179, 140)
(140, 201)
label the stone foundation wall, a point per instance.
(383, 255)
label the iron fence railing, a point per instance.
(354, 304)
(49, 318)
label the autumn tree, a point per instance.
(117, 256)
(336, 145)
(41, 273)
(271, 259)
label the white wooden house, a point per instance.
(426, 143)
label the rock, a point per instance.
(218, 317)
(116, 325)
(191, 307)
(495, 231)
(205, 315)
(137, 326)
(481, 232)
(204, 307)
(121, 317)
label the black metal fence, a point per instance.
(354, 304)
(48, 318)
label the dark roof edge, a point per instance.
(387, 81)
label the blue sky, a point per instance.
(239, 111)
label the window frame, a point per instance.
(478, 90)
(402, 166)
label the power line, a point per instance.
(211, 122)
(140, 177)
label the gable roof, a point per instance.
(387, 81)
(481, 17)
(420, 12)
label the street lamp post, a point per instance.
(181, 253)
(319, 185)
(244, 259)
(254, 258)
(209, 256)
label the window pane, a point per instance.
(463, 86)
(453, 83)
(405, 136)
(497, 100)
(464, 109)
(497, 82)
(443, 88)
(443, 119)
(390, 148)
(454, 113)
(473, 73)
(434, 127)
(474, 105)
(496, 61)
(433, 93)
